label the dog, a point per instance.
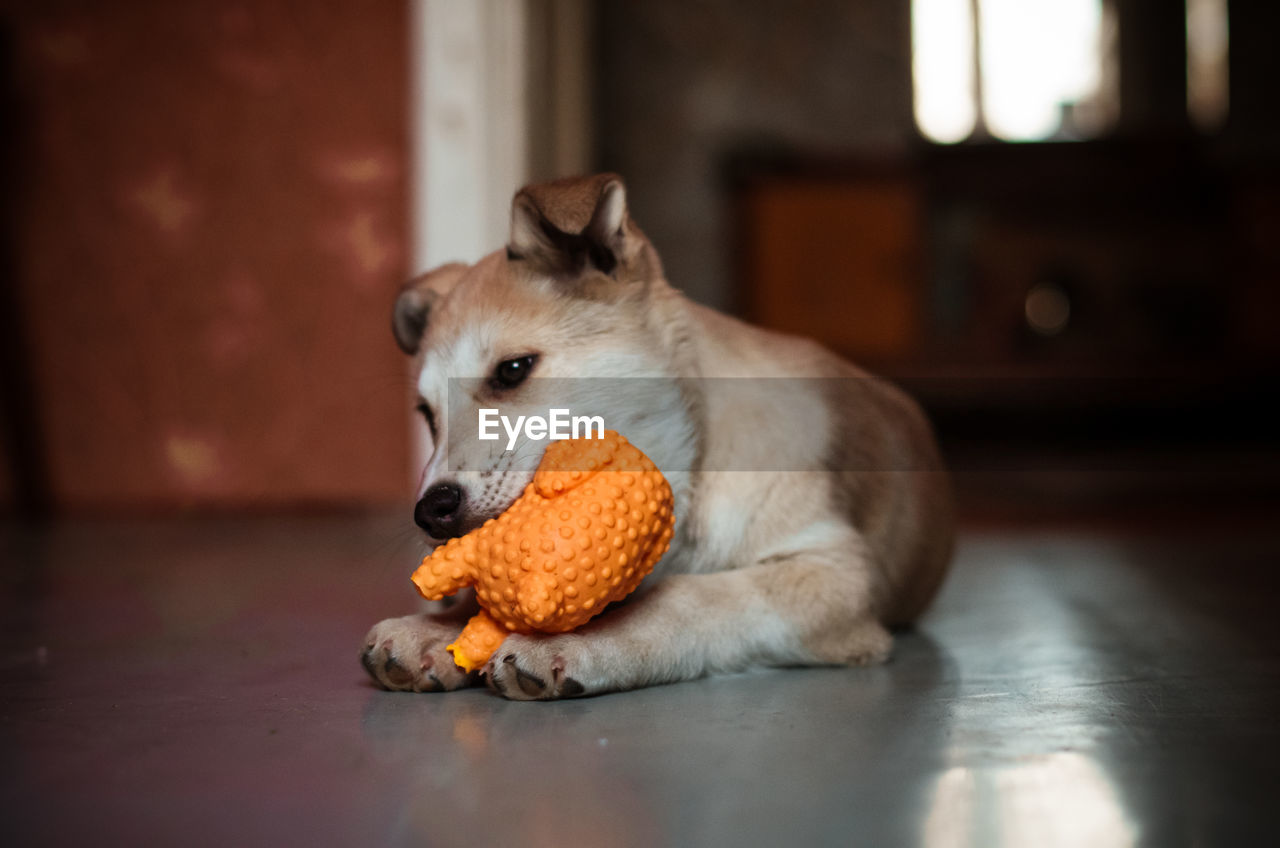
(813, 514)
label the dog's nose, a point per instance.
(439, 512)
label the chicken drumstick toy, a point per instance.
(593, 523)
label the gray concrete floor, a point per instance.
(197, 683)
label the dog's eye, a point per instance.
(428, 416)
(512, 372)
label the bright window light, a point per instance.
(1045, 68)
(1039, 58)
(1208, 42)
(942, 66)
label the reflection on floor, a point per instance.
(197, 683)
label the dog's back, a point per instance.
(879, 465)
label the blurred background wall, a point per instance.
(683, 86)
(1054, 222)
(206, 223)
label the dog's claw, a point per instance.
(408, 654)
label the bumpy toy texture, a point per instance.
(593, 523)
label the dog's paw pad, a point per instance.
(408, 655)
(531, 672)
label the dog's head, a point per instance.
(569, 298)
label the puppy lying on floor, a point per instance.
(812, 510)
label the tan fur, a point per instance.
(806, 565)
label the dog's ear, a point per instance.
(568, 226)
(413, 306)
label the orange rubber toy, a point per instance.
(593, 523)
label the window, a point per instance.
(1207, 43)
(1031, 70)
(1017, 70)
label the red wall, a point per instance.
(211, 229)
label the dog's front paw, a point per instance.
(539, 668)
(408, 654)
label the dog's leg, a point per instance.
(409, 653)
(808, 608)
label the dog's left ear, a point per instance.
(413, 305)
(569, 226)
